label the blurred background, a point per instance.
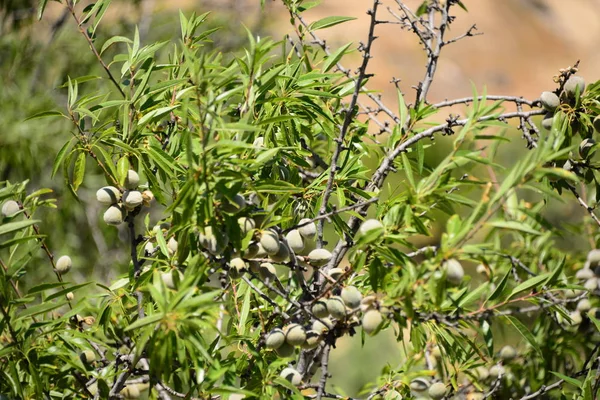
(524, 43)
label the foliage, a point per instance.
(288, 224)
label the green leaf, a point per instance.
(145, 321)
(16, 226)
(113, 40)
(527, 335)
(155, 114)
(60, 157)
(328, 22)
(567, 379)
(122, 169)
(515, 226)
(333, 58)
(79, 170)
(529, 284)
(45, 114)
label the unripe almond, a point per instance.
(454, 271)
(209, 241)
(591, 285)
(335, 273)
(236, 204)
(10, 208)
(547, 121)
(367, 303)
(285, 350)
(587, 144)
(132, 179)
(482, 373)
(336, 307)
(252, 250)
(576, 318)
(550, 101)
(169, 280)
(309, 230)
(132, 199)
(295, 335)
(572, 84)
(351, 296)
(246, 225)
(496, 371)
(131, 392)
(507, 353)
(593, 258)
(584, 274)
(419, 385)
(322, 325)
(319, 309)
(584, 305)
(64, 264)
(148, 249)
(275, 339)
(70, 296)
(237, 268)
(371, 321)
(87, 357)
(312, 340)
(270, 242)
(108, 195)
(267, 271)
(371, 225)
(114, 215)
(172, 246)
(295, 240)
(437, 391)
(291, 375)
(319, 257)
(282, 255)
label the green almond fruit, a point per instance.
(550, 101)
(547, 121)
(132, 199)
(309, 230)
(437, 391)
(237, 267)
(246, 225)
(64, 264)
(312, 340)
(295, 335)
(267, 270)
(507, 353)
(87, 357)
(270, 242)
(319, 309)
(114, 215)
(351, 296)
(322, 325)
(275, 339)
(130, 392)
(454, 271)
(295, 240)
(371, 321)
(419, 385)
(319, 257)
(172, 246)
(285, 350)
(108, 195)
(283, 255)
(371, 225)
(291, 375)
(132, 179)
(336, 307)
(573, 84)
